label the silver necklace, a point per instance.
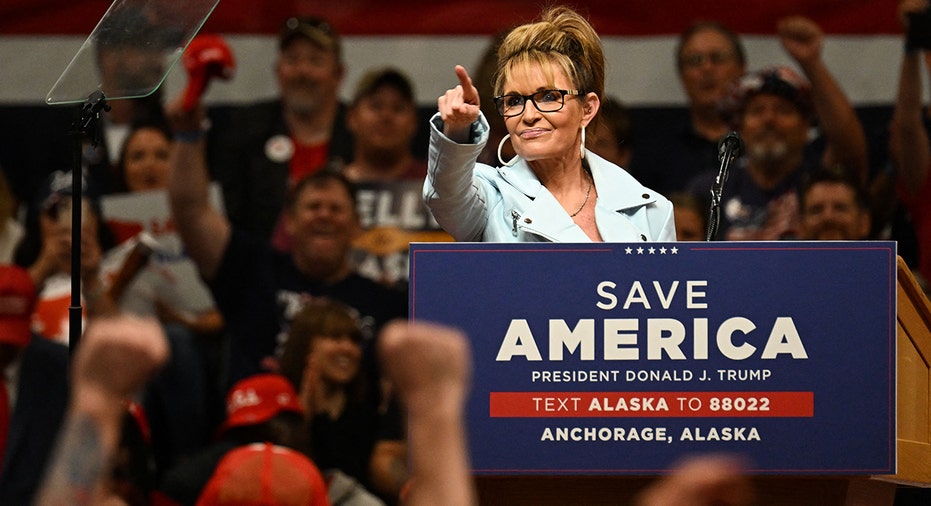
(588, 192)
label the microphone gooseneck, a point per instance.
(728, 149)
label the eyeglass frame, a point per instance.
(525, 98)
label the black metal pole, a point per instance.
(85, 127)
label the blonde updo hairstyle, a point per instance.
(563, 38)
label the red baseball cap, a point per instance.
(258, 398)
(17, 300)
(263, 474)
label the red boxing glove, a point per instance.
(206, 57)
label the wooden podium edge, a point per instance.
(913, 406)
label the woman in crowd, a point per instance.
(549, 85)
(45, 251)
(348, 432)
(143, 162)
(144, 166)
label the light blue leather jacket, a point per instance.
(478, 203)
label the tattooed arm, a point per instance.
(115, 358)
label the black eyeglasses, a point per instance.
(513, 104)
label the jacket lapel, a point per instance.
(619, 195)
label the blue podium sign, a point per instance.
(622, 358)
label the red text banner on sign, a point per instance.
(651, 404)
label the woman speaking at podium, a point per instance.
(548, 85)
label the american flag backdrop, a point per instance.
(426, 39)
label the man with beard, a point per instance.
(261, 150)
(833, 208)
(773, 110)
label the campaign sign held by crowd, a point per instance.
(621, 358)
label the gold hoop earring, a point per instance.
(501, 145)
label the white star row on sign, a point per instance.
(652, 251)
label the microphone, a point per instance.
(730, 146)
(206, 57)
(728, 149)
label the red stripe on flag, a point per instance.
(477, 17)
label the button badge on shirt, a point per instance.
(279, 148)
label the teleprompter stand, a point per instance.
(128, 55)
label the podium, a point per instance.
(913, 387)
(860, 359)
(913, 441)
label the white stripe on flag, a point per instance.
(641, 70)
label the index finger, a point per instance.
(463, 76)
(469, 93)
